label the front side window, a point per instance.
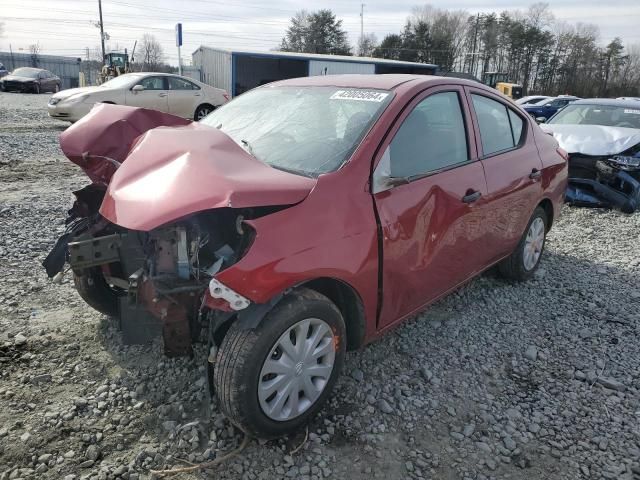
(305, 130)
(432, 137)
(153, 83)
(500, 128)
(176, 83)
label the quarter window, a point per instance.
(500, 128)
(432, 137)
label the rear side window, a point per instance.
(516, 126)
(176, 83)
(500, 128)
(432, 137)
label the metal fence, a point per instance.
(67, 68)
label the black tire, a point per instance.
(243, 352)
(36, 88)
(202, 111)
(94, 290)
(513, 267)
(56, 88)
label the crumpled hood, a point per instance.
(176, 171)
(593, 139)
(102, 139)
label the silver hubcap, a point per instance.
(533, 244)
(203, 112)
(297, 369)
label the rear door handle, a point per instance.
(535, 174)
(471, 197)
(162, 94)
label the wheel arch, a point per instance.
(343, 295)
(547, 206)
(348, 301)
(203, 104)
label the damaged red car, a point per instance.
(302, 219)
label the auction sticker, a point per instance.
(360, 95)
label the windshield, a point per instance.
(26, 72)
(605, 115)
(121, 81)
(305, 130)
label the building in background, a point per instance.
(67, 68)
(237, 71)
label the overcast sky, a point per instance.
(66, 27)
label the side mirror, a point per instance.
(540, 119)
(137, 88)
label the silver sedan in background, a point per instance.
(168, 93)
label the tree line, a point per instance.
(544, 55)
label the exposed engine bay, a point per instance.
(604, 181)
(167, 270)
(147, 237)
(604, 165)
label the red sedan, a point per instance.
(301, 219)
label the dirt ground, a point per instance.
(538, 380)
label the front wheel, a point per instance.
(524, 261)
(36, 88)
(94, 289)
(56, 88)
(273, 379)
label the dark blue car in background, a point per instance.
(547, 108)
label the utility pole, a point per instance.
(101, 29)
(475, 37)
(362, 5)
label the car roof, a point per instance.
(383, 81)
(614, 102)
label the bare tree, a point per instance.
(151, 53)
(34, 49)
(367, 44)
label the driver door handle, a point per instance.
(471, 196)
(535, 174)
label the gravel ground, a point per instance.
(537, 380)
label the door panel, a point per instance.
(512, 192)
(432, 240)
(184, 97)
(155, 95)
(434, 228)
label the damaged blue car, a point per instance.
(602, 138)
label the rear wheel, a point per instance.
(272, 379)
(94, 290)
(525, 259)
(56, 88)
(202, 111)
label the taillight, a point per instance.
(563, 153)
(226, 96)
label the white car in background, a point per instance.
(532, 99)
(168, 93)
